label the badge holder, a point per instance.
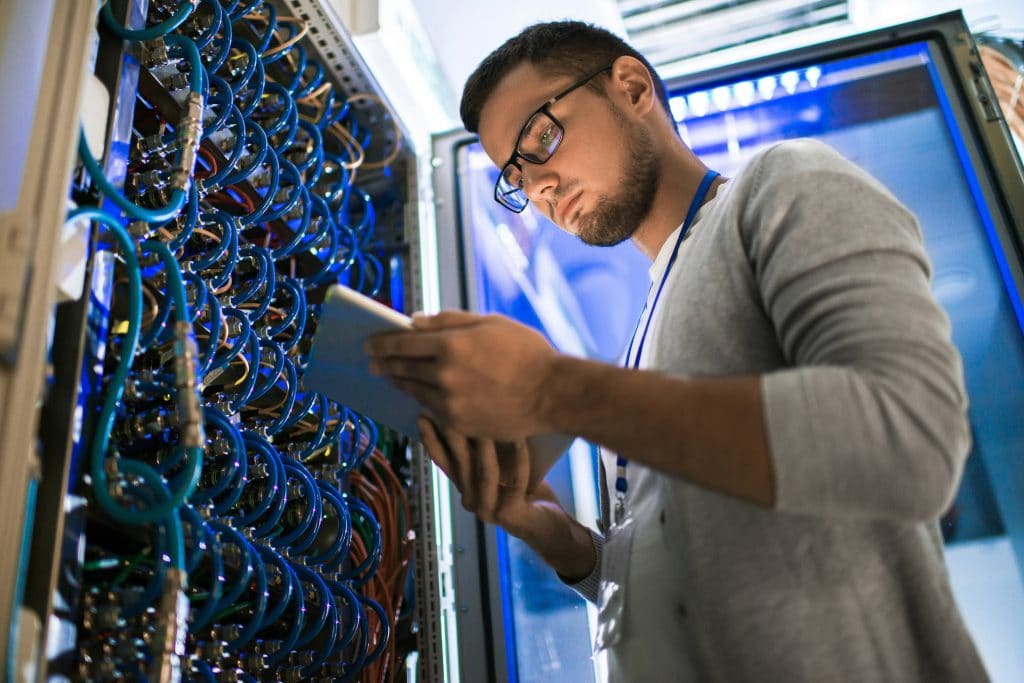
(611, 602)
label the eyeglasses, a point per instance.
(536, 143)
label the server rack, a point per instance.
(52, 614)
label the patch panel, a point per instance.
(230, 525)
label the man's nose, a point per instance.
(540, 181)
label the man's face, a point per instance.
(600, 182)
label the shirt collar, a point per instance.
(660, 263)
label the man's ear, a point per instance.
(634, 84)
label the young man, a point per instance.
(789, 421)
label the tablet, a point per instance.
(340, 369)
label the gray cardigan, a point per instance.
(808, 272)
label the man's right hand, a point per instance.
(492, 478)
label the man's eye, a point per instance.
(547, 136)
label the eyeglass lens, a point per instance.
(539, 139)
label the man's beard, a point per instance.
(616, 218)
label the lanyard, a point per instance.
(621, 485)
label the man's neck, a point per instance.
(679, 176)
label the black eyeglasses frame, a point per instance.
(544, 109)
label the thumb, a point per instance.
(444, 320)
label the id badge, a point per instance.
(611, 600)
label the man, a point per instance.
(790, 419)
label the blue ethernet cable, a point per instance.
(264, 268)
(385, 624)
(195, 62)
(215, 181)
(296, 312)
(239, 83)
(329, 634)
(271, 488)
(240, 9)
(159, 216)
(313, 83)
(234, 469)
(299, 54)
(200, 262)
(204, 670)
(237, 587)
(320, 216)
(334, 554)
(249, 631)
(343, 592)
(222, 46)
(264, 41)
(215, 592)
(158, 31)
(268, 380)
(287, 105)
(313, 164)
(298, 620)
(221, 361)
(205, 39)
(291, 389)
(259, 141)
(288, 581)
(309, 399)
(300, 536)
(251, 93)
(270, 194)
(266, 527)
(325, 601)
(364, 571)
(298, 192)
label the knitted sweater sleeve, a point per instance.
(868, 419)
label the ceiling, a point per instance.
(684, 36)
(667, 31)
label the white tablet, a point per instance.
(339, 368)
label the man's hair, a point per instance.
(561, 48)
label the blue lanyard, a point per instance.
(621, 485)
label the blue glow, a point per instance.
(699, 103)
(766, 87)
(678, 107)
(722, 97)
(813, 75)
(790, 80)
(508, 612)
(744, 92)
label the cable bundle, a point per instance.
(251, 529)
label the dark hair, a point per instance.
(563, 48)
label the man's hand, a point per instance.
(492, 479)
(482, 375)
